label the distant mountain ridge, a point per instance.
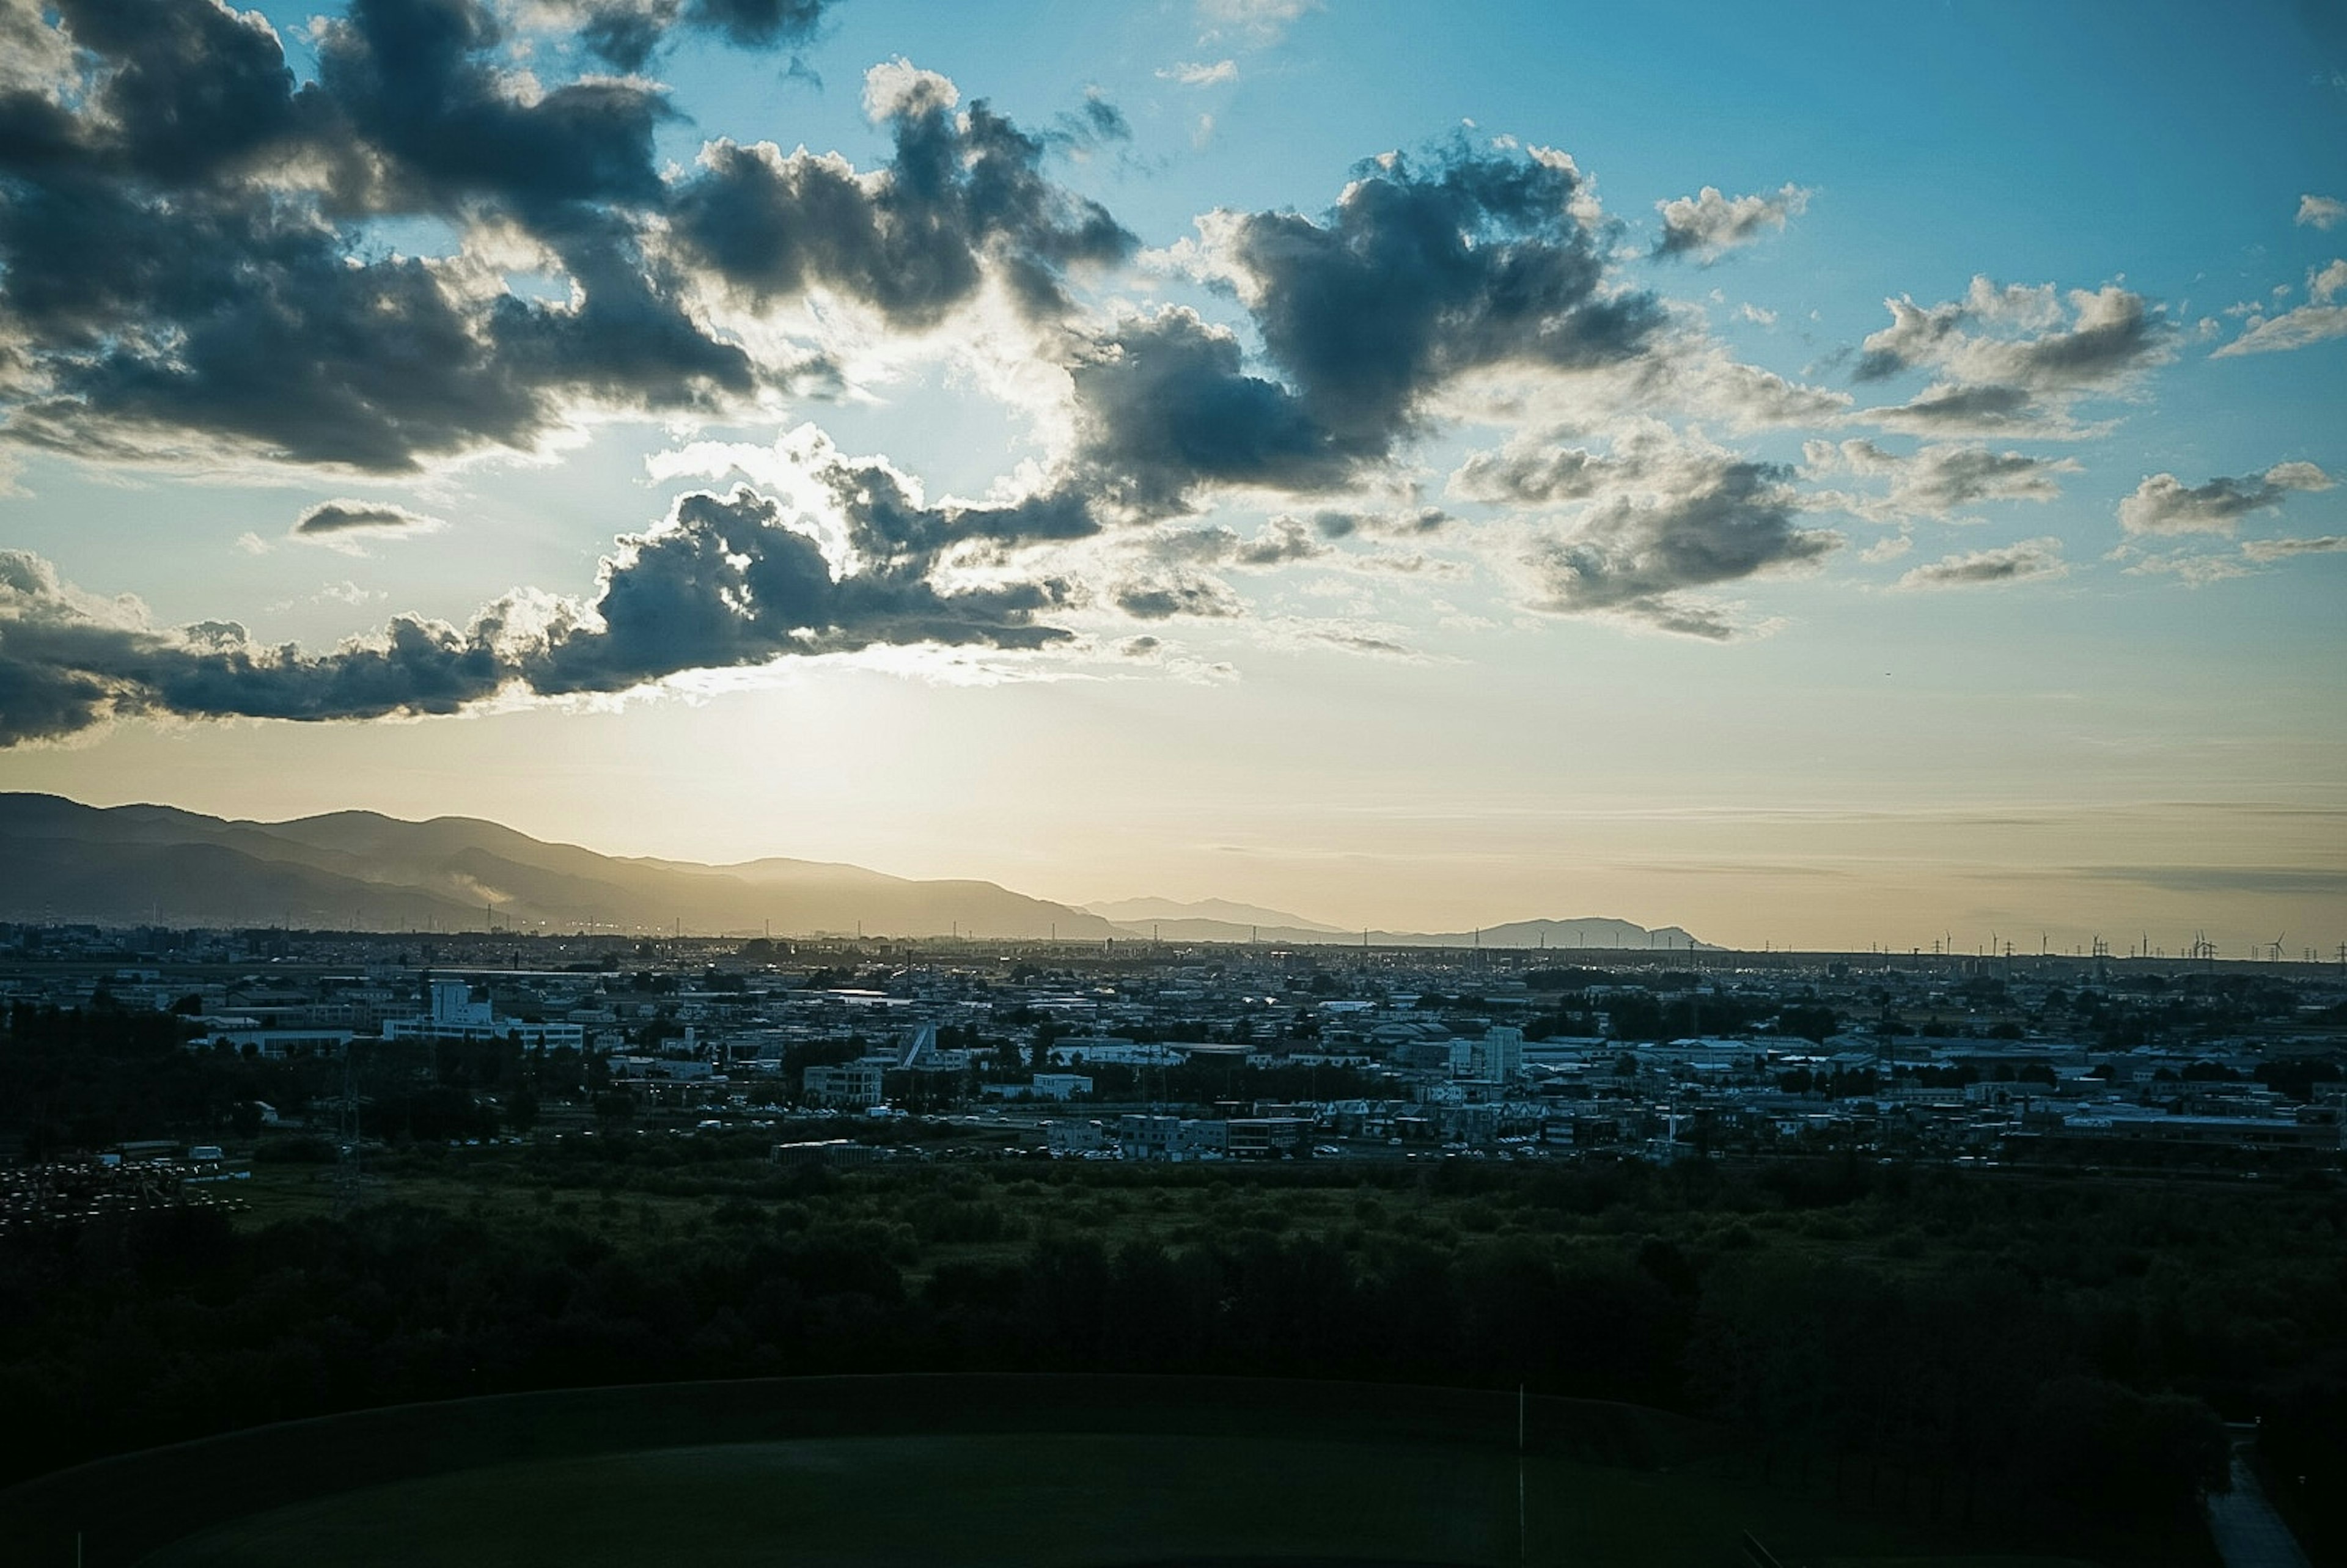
(364, 871)
(61, 860)
(1139, 912)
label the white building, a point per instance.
(848, 1085)
(455, 1015)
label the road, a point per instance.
(2249, 1532)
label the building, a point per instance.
(1266, 1137)
(847, 1085)
(1171, 1138)
(455, 1015)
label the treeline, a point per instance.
(85, 1077)
(2011, 1361)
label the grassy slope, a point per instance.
(1032, 1499)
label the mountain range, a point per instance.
(60, 860)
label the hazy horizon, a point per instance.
(1818, 479)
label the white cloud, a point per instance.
(2321, 211)
(2321, 317)
(2165, 505)
(1199, 73)
(2029, 560)
(1933, 481)
(1707, 223)
(2013, 359)
(898, 86)
(2265, 550)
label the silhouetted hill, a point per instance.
(130, 863)
(360, 870)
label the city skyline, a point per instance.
(1815, 484)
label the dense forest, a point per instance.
(2011, 1358)
(2020, 1360)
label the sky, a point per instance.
(1848, 475)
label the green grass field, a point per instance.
(1033, 1499)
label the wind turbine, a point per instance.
(2276, 946)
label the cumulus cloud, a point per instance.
(1164, 407)
(179, 264)
(2323, 316)
(1178, 594)
(2163, 504)
(187, 265)
(963, 195)
(1281, 540)
(1934, 481)
(1674, 520)
(2321, 211)
(723, 581)
(1532, 473)
(1708, 224)
(2012, 358)
(627, 33)
(2029, 560)
(1426, 270)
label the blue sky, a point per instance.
(1682, 593)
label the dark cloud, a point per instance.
(1164, 407)
(177, 260)
(627, 33)
(2163, 504)
(69, 662)
(189, 88)
(1984, 569)
(913, 239)
(334, 519)
(730, 583)
(1422, 273)
(1532, 475)
(1937, 480)
(1721, 519)
(725, 582)
(1915, 336)
(2013, 358)
(186, 257)
(1959, 410)
(1281, 541)
(416, 80)
(1182, 594)
(1409, 522)
(1097, 124)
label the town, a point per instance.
(859, 1049)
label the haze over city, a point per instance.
(1842, 477)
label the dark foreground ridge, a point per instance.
(185, 1488)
